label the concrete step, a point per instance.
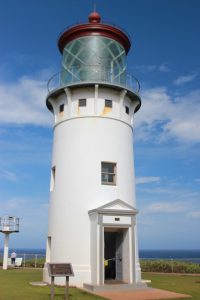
(114, 287)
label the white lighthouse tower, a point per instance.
(92, 209)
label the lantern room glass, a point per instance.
(93, 58)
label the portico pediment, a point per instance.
(117, 207)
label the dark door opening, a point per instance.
(109, 254)
(113, 255)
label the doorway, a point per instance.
(114, 254)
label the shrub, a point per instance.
(168, 266)
(31, 263)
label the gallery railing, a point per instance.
(94, 74)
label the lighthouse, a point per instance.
(92, 206)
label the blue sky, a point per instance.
(164, 57)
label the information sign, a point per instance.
(60, 270)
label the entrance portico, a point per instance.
(114, 244)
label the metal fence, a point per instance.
(29, 259)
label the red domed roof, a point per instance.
(94, 28)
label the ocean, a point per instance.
(184, 255)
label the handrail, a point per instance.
(106, 76)
(9, 224)
(50, 81)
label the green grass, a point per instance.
(14, 285)
(184, 284)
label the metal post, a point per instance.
(52, 287)
(5, 254)
(24, 260)
(111, 70)
(67, 288)
(172, 264)
(35, 260)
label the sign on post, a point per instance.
(60, 270)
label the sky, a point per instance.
(164, 57)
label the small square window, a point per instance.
(127, 110)
(53, 177)
(61, 108)
(108, 173)
(81, 102)
(108, 103)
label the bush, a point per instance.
(30, 263)
(169, 266)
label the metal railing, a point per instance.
(92, 74)
(34, 260)
(9, 224)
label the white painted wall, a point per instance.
(123, 220)
(83, 138)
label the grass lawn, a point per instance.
(14, 285)
(184, 284)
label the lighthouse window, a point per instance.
(53, 176)
(108, 103)
(61, 108)
(108, 173)
(81, 102)
(127, 110)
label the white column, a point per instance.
(137, 261)
(5, 254)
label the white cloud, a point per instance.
(163, 68)
(152, 68)
(195, 214)
(184, 79)
(185, 122)
(32, 215)
(164, 117)
(167, 207)
(155, 106)
(23, 101)
(8, 175)
(142, 180)
(14, 205)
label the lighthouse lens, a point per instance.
(93, 59)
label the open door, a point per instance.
(109, 255)
(113, 254)
(119, 255)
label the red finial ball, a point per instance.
(94, 17)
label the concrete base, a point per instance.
(114, 287)
(38, 283)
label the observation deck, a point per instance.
(93, 74)
(9, 224)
